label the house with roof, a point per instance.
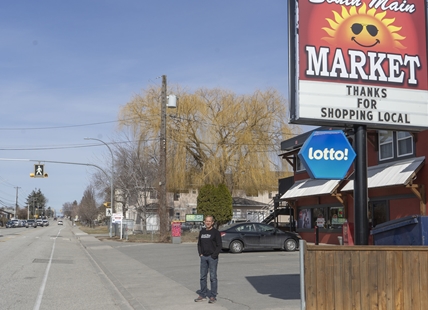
(252, 208)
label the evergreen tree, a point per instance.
(215, 201)
(37, 203)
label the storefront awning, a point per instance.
(311, 187)
(390, 174)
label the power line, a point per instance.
(65, 126)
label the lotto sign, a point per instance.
(359, 62)
(327, 155)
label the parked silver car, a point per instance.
(32, 223)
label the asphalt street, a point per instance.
(60, 267)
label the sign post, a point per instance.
(117, 218)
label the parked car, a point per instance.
(39, 222)
(16, 223)
(236, 221)
(186, 227)
(24, 223)
(45, 223)
(257, 236)
(9, 224)
(32, 223)
(60, 222)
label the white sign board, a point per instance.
(359, 62)
(117, 218)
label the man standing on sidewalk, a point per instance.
(209, 247)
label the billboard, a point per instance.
(359, 62)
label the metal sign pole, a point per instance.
(361, 233)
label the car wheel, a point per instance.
(290, 245)
(236, 246)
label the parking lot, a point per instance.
(249, 280)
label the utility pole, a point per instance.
(34, 208)
(163, 215)
(16, 200)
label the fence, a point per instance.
(364, 277)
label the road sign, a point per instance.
(117, 218)
(327, 155)
(108, 212)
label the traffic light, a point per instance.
(39, 171)
(107, 204)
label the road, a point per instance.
(59, 267)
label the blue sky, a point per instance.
(66, 68)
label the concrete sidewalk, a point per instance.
(142, 286)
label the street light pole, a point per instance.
(111, 179)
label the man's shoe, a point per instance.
(200, 298)
(212, 300)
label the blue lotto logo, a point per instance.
(327, 155)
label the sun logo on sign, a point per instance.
(363, 29)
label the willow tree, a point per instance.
(214, 136)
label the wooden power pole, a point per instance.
(163, 210)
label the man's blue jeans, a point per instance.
(208, 264)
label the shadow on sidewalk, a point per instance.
(282, 286)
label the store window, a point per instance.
(305, 219)
(336, 217)
(395, 144)
(331, 217)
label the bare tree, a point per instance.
(215, 136)
(88, 210)
(134, 169)
(21, 213)
(69, 209)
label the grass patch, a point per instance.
(95, 230)
(143, 238)
(153, 238)
(149, 237)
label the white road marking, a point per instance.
(45, 278)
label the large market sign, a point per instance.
(359, 62)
